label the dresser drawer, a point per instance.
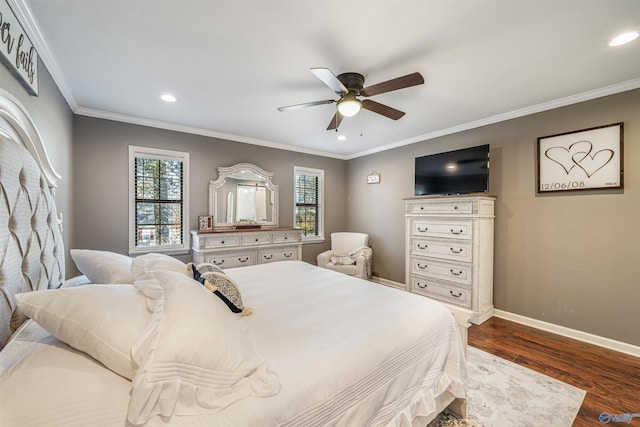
(457, 250)
(459, 273)
(231, 260)
(289, 237)
(278, 254)
(444, 207)
(447, 293)
(221, 241)
(256, 239)
(450, 229)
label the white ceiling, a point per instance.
(231, 63)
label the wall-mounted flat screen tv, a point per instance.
(454, 172)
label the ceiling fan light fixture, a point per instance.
(349, 107)
(349, 86)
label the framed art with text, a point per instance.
(17, 52)
(589, 159)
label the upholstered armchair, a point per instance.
(349, 254)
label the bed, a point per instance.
(154, 347)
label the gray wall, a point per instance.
(54, 121)
(101, 179)
(568, 259)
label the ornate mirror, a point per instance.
(243, 194)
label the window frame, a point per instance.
(160, 154)
(301, 170)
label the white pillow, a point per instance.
(153, 262)
(194, 357)
(76, 281)
(103, 266)
(100, 320)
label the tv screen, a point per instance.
(454, 172)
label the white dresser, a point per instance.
(239, 248)
(449, 251)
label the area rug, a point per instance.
(505, 394)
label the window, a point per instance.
(308, 211)
(158, 200)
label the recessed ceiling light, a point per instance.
(167, 97)
(624, 38)
(342, 137)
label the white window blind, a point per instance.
(308, 210)
(158, 200)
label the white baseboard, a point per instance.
(388, 282)
(620, 346)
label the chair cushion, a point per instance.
(345, 269)
(345, 242)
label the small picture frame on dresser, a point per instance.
(205, 223)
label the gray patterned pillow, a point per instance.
(203, 267)
(226, 289)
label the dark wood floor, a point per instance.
(611, 379)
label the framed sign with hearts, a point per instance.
(587, 159)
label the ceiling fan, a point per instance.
(350, 86)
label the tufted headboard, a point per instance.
(31, 247)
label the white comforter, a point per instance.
(348, 353)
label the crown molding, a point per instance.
(539, 108)
(546, 106)
(99, 114)
(23, 12)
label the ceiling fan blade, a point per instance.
(330, 80)
(305, 105)
(382, 109)
(393, 84)
(335, 121)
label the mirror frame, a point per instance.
(223, 173)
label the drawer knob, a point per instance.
(288, 255)
(456, 273)
(285, 237)
(455, 208)
(421, 208)
(422, 285)
(256, 239)
(218, 262)
(243, 260)
(422, 266)
(222, 242)
(454, 295)
(456, 232)
(422, 230)
(456, 251)
(422, 247)
(268, 256)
